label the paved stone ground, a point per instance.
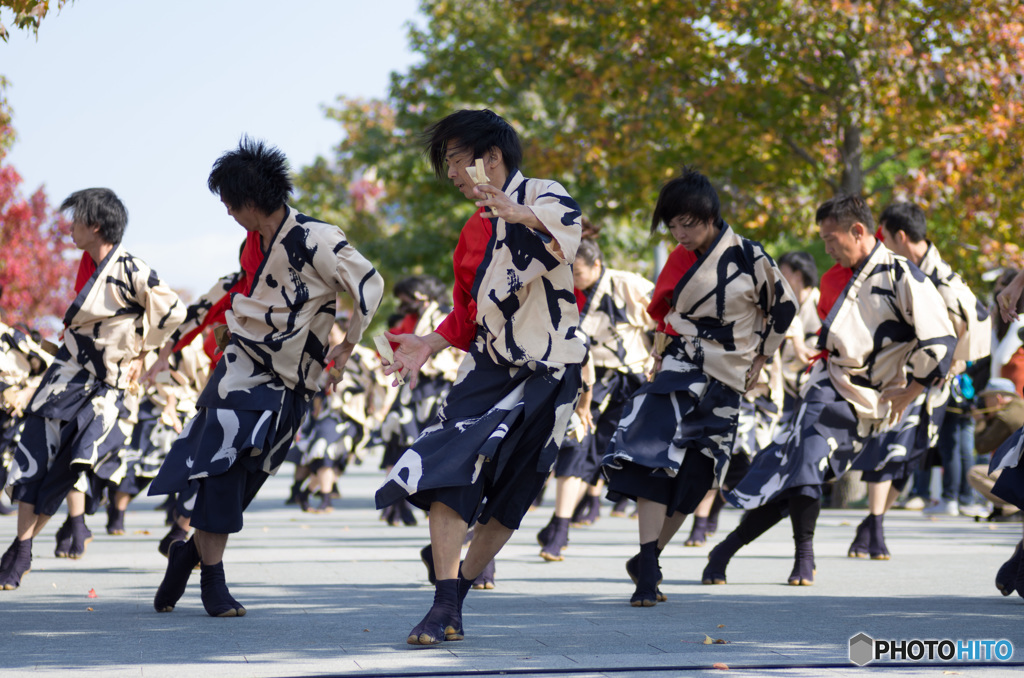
(336, 594)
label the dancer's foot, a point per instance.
(861, 540)
(620, 509)
(485, 580)
(698, 533)
(63, 539)
(718, 559)
(545, 534)
(587, 511)
(325, 505)
(213, 589)
(18, 564)
(876, 543)
(81, 536)
(648, 576)
(176, 534)
(557, 541)
(115, 520)
(633, 568)
(182, 557)
(444, 620)
(1007, 575)
(803, 565)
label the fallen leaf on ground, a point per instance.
(141, 532)
(91, 594)
(720, 665)
(707, 640)
(88, 609)
(721, 626)
(366, 630)
(721, 641)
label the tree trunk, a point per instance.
(852, 181)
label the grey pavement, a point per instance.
(336, 594)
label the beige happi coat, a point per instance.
(123, 310)
(886, 326)
(284, 323)
(730, 306)
(526, 304)
(617, 322)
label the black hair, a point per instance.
(589, 251)
(426, 286)
(846, 210)
(690, 195)
(906, 217)
(253, 175)
(98, 207)
(803, 263)
(477, 131)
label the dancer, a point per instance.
(276, 351)
(879, 330)
(614, 317)
(890, 458)
(722, 308)
(121, 312)
(497, 433)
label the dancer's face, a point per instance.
(694, 235)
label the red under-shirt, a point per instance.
(832, 285)
(678, 263)
(459, 327)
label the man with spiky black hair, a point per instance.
(489, 451)
(276, 352)
(122, 311)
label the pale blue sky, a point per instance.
(142, 97)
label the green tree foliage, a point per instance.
(782, 103)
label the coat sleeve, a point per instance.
(917, 298)
(346, 270)
(775, 300)
(163, 311)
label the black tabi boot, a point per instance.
(63, 539)
(177, 533)
(698, 532)
(115, 520)
(182, 557)
(1006, 577)
(19, 563)
(213, 590)
(876, 543)
(443, 614)
(716, 509)
(485, 580)
(633, 570)
(80, 536)
(557, 540)
(861, 540)
(803, 565)
(648, 576)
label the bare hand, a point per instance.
(162, 364)
(1008, 298)
(411, 353)
(900, 398)
(339, 354)
(503, 207)
(754, 372)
